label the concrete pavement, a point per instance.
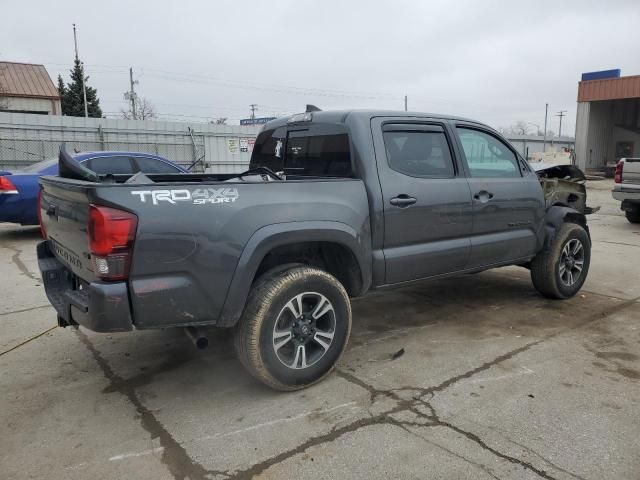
(495, 382)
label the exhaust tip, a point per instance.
(198, 337)
(202, 343)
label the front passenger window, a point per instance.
(487, 157)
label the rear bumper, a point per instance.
(625, 193)
(98, 306)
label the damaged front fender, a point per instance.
(563, 185)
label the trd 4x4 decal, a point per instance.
(199, 196)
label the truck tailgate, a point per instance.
(64, 212)
(631, 171)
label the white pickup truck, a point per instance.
(627, 187)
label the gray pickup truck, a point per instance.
(627, 187)
(335, 204)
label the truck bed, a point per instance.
(191, 233)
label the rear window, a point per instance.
(319, 150)
(268, 150)
(113, 165)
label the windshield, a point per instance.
(37, 167)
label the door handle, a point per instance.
(483, 195)
(402, 201)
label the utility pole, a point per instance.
(560, 114)
(84, 89)
(254, 107)
(544, 144)
(405, 103)
(132, 94)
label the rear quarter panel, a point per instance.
(185, 254)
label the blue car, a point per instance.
(19, 190)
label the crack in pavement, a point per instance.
(482, 467)
(433, 419)
(15, 347)
(504, 435)
(182, 466)
(25, 310)
(174, 456)
(15, 258)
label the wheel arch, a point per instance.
(559, 214)
(336, 247)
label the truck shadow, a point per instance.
(489, 304)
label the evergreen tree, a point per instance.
(73, 102)
(64, 96)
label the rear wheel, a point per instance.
(633, 215)
(294, 328)
(561, 270)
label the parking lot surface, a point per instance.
(470, 377)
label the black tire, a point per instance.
(633, 215)
(267, 305)
(546, 273)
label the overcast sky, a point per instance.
(497, 62)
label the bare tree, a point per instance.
(521, 127)
(144, 110)
(221, 121)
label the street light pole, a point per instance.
(84, 89)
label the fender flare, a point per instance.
(269, 237)
(558, 215)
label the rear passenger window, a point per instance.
(114, 165)
(320, 151)
(419, 153)
(487, 156)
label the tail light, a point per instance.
(43, 230)
(111, 236)
(7, 186)
(618, 176)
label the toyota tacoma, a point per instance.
(334, 205)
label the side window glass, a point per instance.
(320, 151)
(419, 153)
(487, 157)
(113, 165)
(153, 165)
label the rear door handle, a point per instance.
(483, 196)
(402, 201)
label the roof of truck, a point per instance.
(340, 116)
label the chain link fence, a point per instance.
(26, 139)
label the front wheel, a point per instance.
(294, 328)
(561, 270)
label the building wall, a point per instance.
(600, 125)
(536, 144)
(599, 132)
(582, 133)
(26, 139)
(44, 105)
